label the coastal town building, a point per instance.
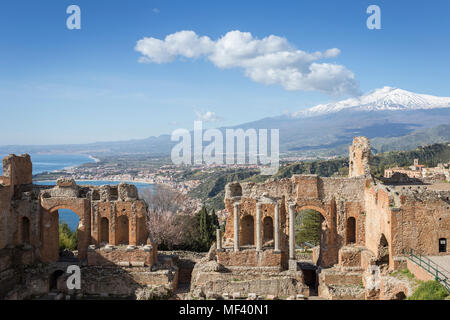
(420, 171)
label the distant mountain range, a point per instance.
(392, 118)
(384, 99)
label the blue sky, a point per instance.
(76, 86)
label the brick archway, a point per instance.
(50, 233)
(325, 255)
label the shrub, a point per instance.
(67, 238)
(430, 290)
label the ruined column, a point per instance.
(236, 227)
(219, 239)
(276, 230)
(292, 231)
(258, 227)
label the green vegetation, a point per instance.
(403, 273)
(422, 137)
(430, 290)
(199, 232)
(67, 238)
(323, 168)
(308, 222)
(212, 190)
(430, 156)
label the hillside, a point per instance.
(211, 190)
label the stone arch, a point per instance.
(104, 230)
(25, 230)
(350, 230)
(49, 225)
(320, 210)
(322, 254)
(247, 232)
(267, 229)
(123, 230)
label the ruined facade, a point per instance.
(367, 225)
(112, 229)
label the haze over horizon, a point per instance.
(150, 67)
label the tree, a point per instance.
(165, 229)
(309, 229)
(164, 206)
(67, 238)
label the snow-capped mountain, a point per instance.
(384, 99)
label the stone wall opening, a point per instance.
(104, 231)
(53, 280)
(122, 233)
(68, 222)
(383, 251)
(400, 296)
(267, 229)
(308, 226)
(247, 235)
(142, 230)
(351, 230)
(311, 234)
(442, 245)
(235, 190)
(25, 230)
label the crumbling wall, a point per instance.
(359, 157)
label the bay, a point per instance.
(53, 162)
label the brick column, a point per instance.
(292, 231)
(258, 227)
(236, 227)
(277, 227)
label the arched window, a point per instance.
(247, 231)
(122, 235)
(104, 230)
(267, 229)
(351, 230)
(442, 245)
(25, 230)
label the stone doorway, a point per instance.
(267, 229)
(104, 231)
(351, 230)
(247, 231)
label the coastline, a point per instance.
(96, 160)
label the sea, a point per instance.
(53, 162)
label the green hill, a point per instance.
(211, 190)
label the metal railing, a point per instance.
(430, 266)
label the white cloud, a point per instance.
(271, 60)
(155, 10)
(208, 116)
